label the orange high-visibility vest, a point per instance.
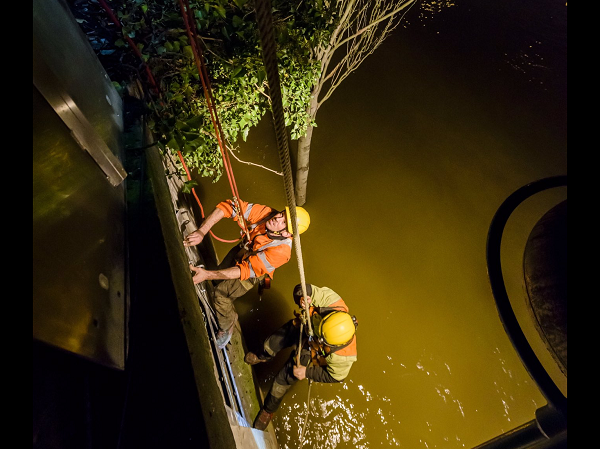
(264, 254)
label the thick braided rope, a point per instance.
(263, 15)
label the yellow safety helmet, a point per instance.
(337, 328)
(302, 218)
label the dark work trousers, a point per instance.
(227, 291)
(285, 337)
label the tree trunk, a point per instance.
(303, 151)
(302, 166)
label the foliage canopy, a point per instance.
(230, 41)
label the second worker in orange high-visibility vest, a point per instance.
(266, 246)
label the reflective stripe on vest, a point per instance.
(247, 213)
(263, 257)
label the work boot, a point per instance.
(223, 337)
(262, 419)
(252, 359)
(264, 284)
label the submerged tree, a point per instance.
(359, 28)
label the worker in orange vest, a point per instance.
(265, 245)
(326, 356)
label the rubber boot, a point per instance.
(252, 359)
(223, 337)
(262, 420)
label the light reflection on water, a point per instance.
(354, 415)
(335, 422)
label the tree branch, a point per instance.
(404, 5)
(359, 44)
(252, 163)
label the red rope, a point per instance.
(198, 200)
(208, 96)
(199, 60)
(134, 47)
(200, 65)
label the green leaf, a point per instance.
(188, 186)
(220, 10)
(194, 122)
(188, 52)
(191, 136)
(262, 75)
(239, 72)
(172, 143)
(237, 21)
(182, 126)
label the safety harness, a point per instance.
(319, 349)
(245, 247)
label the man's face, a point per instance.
(278, 223)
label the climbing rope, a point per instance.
(192, 35)
(306, 415)
(300, 345)
(267, 38)
(191, 30)
(264, 18)
(265, 23)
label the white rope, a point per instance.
(263, 13)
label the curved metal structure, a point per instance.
(551, 419)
